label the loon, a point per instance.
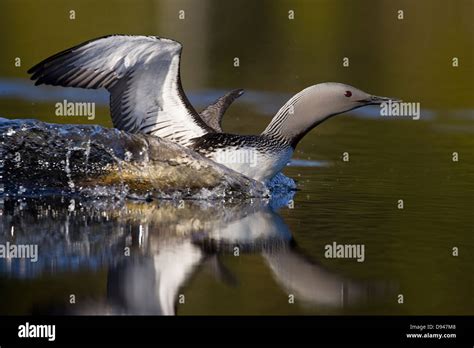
(142, 75)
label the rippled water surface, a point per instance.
(260, 255)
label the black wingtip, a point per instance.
(34, 69)
(33, 74)
(236, 93)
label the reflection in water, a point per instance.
(151, 250)
(316, 284)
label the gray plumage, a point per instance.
(212, 114)
(143, 77)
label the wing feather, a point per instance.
(143, 77)
(213, 113)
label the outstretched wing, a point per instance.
(212, 114)
(142, 75)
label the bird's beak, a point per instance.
(376, 100)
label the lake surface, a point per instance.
(183, 257)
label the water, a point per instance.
(189, 249)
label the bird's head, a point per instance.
(333, 98)
(315, 104)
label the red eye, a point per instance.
(348, 94)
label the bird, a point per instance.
(142, 75)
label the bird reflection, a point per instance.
(148, 282)
(153, 249)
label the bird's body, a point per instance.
(142, 75)
(256, 156)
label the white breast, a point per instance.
(258, 165)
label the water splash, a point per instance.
(92, 160)
(67, 169)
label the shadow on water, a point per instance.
(150, 251)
